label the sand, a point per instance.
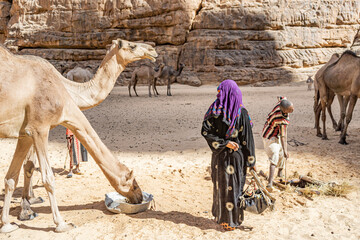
(159, 138)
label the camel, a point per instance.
(343, 78)
(145, 73)
(330, 97)
(79, 74)
(35, 97)
(168, 73)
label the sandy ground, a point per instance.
(159, 138)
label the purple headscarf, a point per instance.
(229, 103)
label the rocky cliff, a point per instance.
(250, 41)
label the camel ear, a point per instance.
(117, 43)
(120, 43)
(130, 175)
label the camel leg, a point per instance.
(29, 167)
(155, 95)
(343, 101)
(342, 113)
(329, 103)
(11, 180)
(353, 100)
(317, 120)
(323, 117)
(316, 106)
(168, 87)
(28, 196)
(135, 82)
(317, 112)
(40, 138)
(129, 88)
(150, 90)
(153, 88)
(155, 80)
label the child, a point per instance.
(274, 136)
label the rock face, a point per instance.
(245, 40)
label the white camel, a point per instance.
(35, 97)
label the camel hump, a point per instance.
(349, 52)
(346, 53)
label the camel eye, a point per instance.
(132, 47)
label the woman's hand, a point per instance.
(232, 145)
(253, 168)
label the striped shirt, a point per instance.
(274, 121)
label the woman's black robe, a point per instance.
(228, 167)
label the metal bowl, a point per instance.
(117, 203)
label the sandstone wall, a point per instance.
(248, 41)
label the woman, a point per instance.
(227, 129)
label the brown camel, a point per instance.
(343, 78)
(330, 97)
(35, 97)
(79, 74)
(145, 73)
(168, 73)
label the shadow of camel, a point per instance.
(100, 205)
(48, 229)
(173, 216)
(180, 218)
(17, 192)
(183, 218)
(47, 210)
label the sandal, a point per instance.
(226, 227)
(77, 172)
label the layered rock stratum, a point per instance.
(250, 41)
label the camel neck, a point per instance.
(89, 94)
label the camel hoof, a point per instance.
(343, 142)
(319, 135)
(23, 217)
(36, 200)
(64, 227)
(324, 138)
(8, 228)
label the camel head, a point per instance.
(130, 51)
(123, 181)
(159, 67)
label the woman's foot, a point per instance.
(77, 171)
(280, 173)
(227, 227)
(69, 175)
